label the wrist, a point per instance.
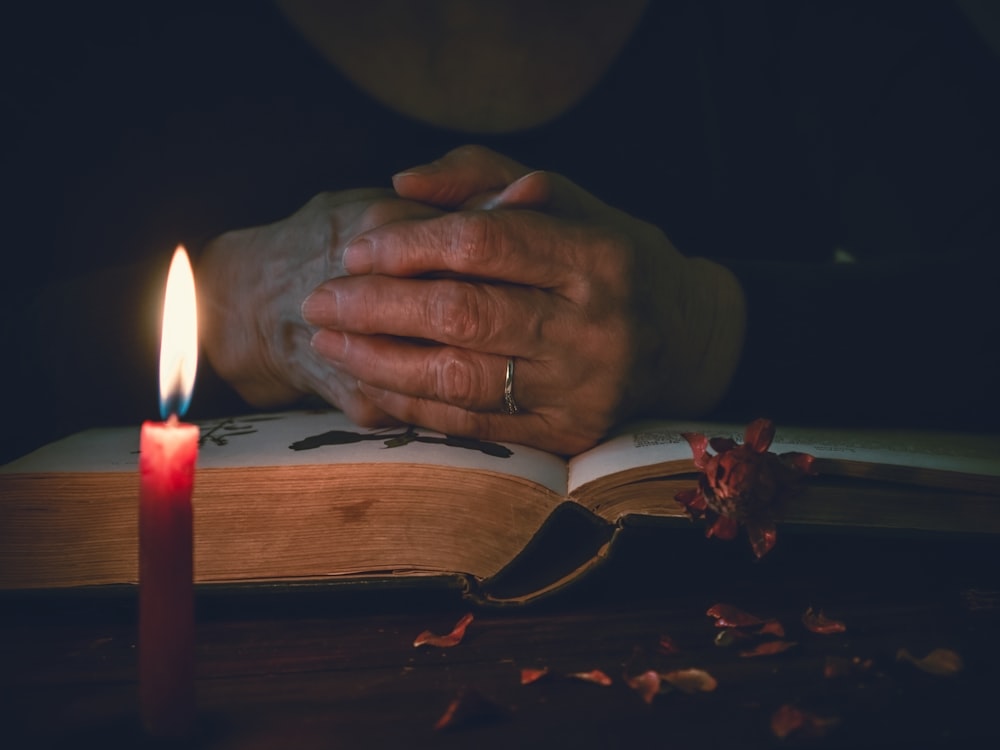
(704, 340)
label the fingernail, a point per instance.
(423, 169)
(330, 345)
(358, 257)
(318, 307)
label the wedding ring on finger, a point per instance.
(509, 404)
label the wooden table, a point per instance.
(335, 667)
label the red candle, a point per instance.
(168, 453)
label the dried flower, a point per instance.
(742, 484)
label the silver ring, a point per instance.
(509, 404)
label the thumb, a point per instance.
(458, 176)
(534, 190)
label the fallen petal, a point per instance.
(942, 662)
(728, 616)
(427, 638)
(529, 675)
(789, 720)
(771, 627)
(768, 648)
(595, 676)
(646, 684)
(469, 707)
(817, 622)
(691, 680)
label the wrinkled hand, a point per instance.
(251, 284)
(605, 318)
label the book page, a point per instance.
(639, 445)
(962, 453)
(646, 444)
(298, 438)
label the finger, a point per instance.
(534, 190)
(459, 175)
(470, 380)
(311, 373)
(524, 428)
(520, 247)
(491, 318)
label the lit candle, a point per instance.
(168, 452)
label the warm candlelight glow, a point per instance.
(179, 342)
(168, 452)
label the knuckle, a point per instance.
(478, 243)
(605, 278)
(378, 213)
(456, 311)
(457, 381)
(468, 151)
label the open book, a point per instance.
(302, 496)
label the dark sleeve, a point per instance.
(880, 343)
(901, 129)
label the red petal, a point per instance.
(728, 616)
(427, 638)
(723, 528)
(789, 720)
(699, 446)
(529, 675)
(817, 622)
(772, 627)
(759, 435)
(691, 680)
(768, 648)
(646, 684)
(763, 535)
(595, 675)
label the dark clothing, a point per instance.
(774, 134)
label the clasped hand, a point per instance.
(474, 260)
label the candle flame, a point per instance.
(179, 341)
